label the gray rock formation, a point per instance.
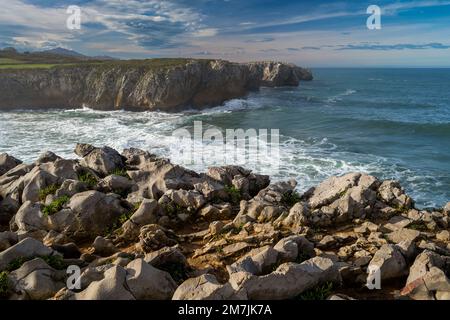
(142, 85)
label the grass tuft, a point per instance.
(88, 178)
(234, 193)
(43, 193)
(290, 198)
(4, 285)
(321, 292)
(120, 172)
(55, 206)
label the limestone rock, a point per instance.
(7, 163)
(427, 280)
(26, 248)
(36, 280)
(102, 160)
(148, 283)
(30, 218)
(204, 287)
(389, 261)
(403, 235)
(103, 247)
(115, 184)
(7, 239)
(153, 237)
(111, 287)
(391, 192)
(289, 280)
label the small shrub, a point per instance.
(234, 193)
(17, 263)
(43, 193)
(4, 284)
(88, 178)
(56, 261)
(290, 198)
(55, 206)
(120, 172)
(321, 292)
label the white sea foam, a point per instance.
(340, 96)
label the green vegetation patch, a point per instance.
(56, 262)
(321, 292)
(4, 285)
(234, 193)
(43, 193)
(55, 205)
(10, 61)
(120, 172)
(88, 178)
(28, 66)
(290, 198)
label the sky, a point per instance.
(310, 33)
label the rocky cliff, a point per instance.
(140, 227)
(167, 85)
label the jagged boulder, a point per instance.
(428, 278)
(36, 280)
(204, 287)
(88, 215)
(390, 262)
(27, 248)
(103, 160)
(159, 176)
(290, 280)
(7, 163)
(267, 205)
(148, 283)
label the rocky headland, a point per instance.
(139, 227)
(155, 84)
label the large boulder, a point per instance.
(89, 214)
(148, 283)
(36, 280)
(7, 163)
(248, 183)
(34, 181)
(103, 160)
(204, 287)
(393, 194)
(30, 218)
(267, 205)
(27, 248)
(116, 184)
(110, 287)
(158, 176)
(290, 280)
(340, 199)
(427, 278)
(389, 261)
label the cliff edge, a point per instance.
(157, 84)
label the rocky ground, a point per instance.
(140, 227)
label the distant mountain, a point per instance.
(65, 52)
(74, 54)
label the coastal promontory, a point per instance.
(140, 85)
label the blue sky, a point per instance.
(310, 33)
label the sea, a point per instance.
(391, 123)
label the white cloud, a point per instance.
(208, 32)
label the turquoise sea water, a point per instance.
(393, 123)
